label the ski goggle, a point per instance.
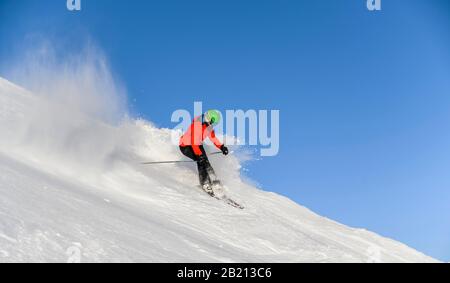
(210, 120)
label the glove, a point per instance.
(224, 150)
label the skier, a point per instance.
(191, 145)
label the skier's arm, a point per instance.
(215, 140)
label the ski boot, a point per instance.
(208, 189)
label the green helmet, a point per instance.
(212, 117)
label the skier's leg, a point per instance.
(214, 187)
(207, 176)
(203, 173)
(202, 166)
(209, 169)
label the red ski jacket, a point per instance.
(197, 133)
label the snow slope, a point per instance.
(71, 183)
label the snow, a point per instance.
(72, 189)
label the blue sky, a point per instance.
(364, 97)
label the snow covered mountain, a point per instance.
(72, 188)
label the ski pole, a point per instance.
(175, 161)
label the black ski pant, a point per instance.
(206, 174)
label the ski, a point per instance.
(223, 198)
(228, 201)
(232, 203)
